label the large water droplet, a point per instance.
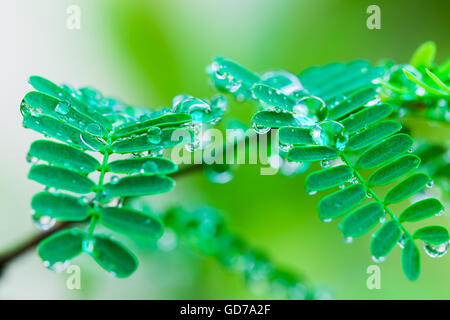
(94, 129)
(330, 133)
(149, 167)
(436, 251)
(63, 107)
(154, 135)
(260, 129)
(42, 222)
(311, 107)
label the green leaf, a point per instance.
(143, 165)
(422, 209)
(328, 178)
(424, 55)
(112, 256)
(168, 120)
(64, 156)
(60, 247)
(385, 151)
(385, 239)
(340, 202)
(273, 119)
(422, 84)
(367, 116)
(60, 206)
(438, 81)
(394, 170)
(407, 187)
(60, 178)
(48, 87)
(312, 153)
(233, 69)
(295, 136)
(272, 97)
(352, 103)
(361, 220)
(132, 222)
(435, 235)
(411, 260)
(143, 143)
(138, 186)
(373, 134)
(62, 131)
(63, 111)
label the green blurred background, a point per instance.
(146, 52)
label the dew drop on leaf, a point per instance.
(348, 240)
(329, 133)
(94, 129)
(436, 251)
(149, 167)
(378, 259)
(63, 107)
(219, 174)
(42, 222)
(260, 129)
(57, 266)
(154, 135)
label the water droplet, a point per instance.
(348, 240)
(436, 251)
(369, 195)
(291, 168)
(311, 107)
(154, 135)
(149, 167)
(219, 102)
(218, 173)
(57, 266)
(168, 241)
(342, 186)
(24, 108)
(94, 129)
(327, 220)
(114, 179)
(329, 133)
(430, 184)
(378, 259)
(353, 180)
(285, 147)
(88, 245)
(63, 107)
(31, 160)
(311, 193)
(42, 222)
(325, 164)
(157, 152)
(402, 240)
(260, 129)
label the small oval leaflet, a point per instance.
(385, 239)
(61, 247)
(385, 151)
(373, 134)
(64, 156)
(432, 234)
(328, 178)
(60, 206)
(132, 222)
(340, 202)
(394, 170)
(352, 103)
(295, 136)
(60, 178)
(361, 220)
(421, 210)
(407, 187)
(142, 165)
(112, 256)
(365, 117)
(138, 186)
(273, 119)
(312, 153)
(272, 97)
(411, 260)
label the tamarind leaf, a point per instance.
(352, 103)
(61, 178)
(113, 256)
(424, 55)
(361, 220)
(385, 239)
(143, 165)
(272, 97)
(295, 136)
(62, 131)
(312, 153)
(138, 186)
(411, 260)
(432, 234)
(394, 170)
(373, 134)
(385, 151)
(64, 156)
(421, 210)
(143, 143)
(274, 119)
(60, 206)
(407, 187)
(367, 116)
(60, 247)
(49, 88)
(340, 202)
(328, 178)
(63, 111)
(164, 121)
(132, 222)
